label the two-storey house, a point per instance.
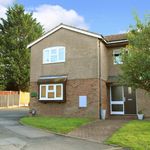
(75, 73)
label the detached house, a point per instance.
(75, 73)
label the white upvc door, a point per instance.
(117, 100)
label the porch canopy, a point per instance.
(52, 79)
(112, 79)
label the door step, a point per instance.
(123, 117)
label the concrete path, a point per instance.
(14, 136)
(98, 131)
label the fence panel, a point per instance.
(9, 98)
(3, 100)
(24, 98)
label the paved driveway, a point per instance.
(14, 136)
(98, 131)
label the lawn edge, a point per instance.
(90, 121)
(65, 135)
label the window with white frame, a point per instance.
(54, 55)
(51, 91)
(117, 56)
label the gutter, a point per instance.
(119, 41)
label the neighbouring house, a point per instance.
(74, 73)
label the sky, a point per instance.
(105, 17)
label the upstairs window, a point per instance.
(54, 55)
(117, 56)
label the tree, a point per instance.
(16, 32)
(136, 62)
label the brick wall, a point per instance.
(74, 89)
(143, 102)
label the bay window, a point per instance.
(51, 91)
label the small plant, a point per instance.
(33, 94)
(140, 115)
(140, 112)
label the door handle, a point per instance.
(129, 99)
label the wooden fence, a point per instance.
(14, 98)
(24, 98)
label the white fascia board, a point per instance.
(65, 27)
(120, 41)
(75, 30)
(53, 77)
(44, 36)
(82, 31)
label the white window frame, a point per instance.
(49, 51)
(117, 51)
(54, 90)
(117, 103)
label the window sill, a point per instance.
(118, 64)
(54, 62)
(51, 101)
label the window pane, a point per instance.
(50, 94)
(53, 58)
(129, 90)
(43, 91)
(117, 56)
(53, 51)
(53, 55)
(51, 87)
(58, 90)
(117, 107)
(61, 54)
(117, 59)
(45, 56)
(116, 92)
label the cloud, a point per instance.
(2, 11)
(52, 15)
(3, 7)
(6, 2)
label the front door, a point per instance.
(122, 100)
(130, 100)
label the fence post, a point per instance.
(0, 101)
(19, 97)
(8, 99)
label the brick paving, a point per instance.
(98, 131)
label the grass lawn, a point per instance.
(134, 135)
(55, 124)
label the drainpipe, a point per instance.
(99, 77)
